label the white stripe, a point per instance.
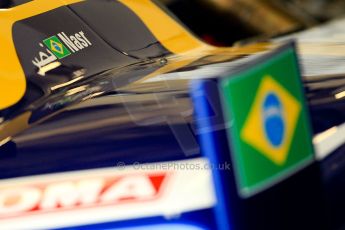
(328, 141)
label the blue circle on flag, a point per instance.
(273, 119)
(57, 47)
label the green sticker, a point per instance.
(57, 47)
(270, 129)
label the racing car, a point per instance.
(113, 115)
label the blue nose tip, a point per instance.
(273, 119)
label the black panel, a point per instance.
(29, 33)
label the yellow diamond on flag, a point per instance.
(272, 120)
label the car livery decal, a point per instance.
(60, 46)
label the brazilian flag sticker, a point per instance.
(57, 47)
(269, 129)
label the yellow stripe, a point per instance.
(12, 78)
(168, 32)
(172, 35)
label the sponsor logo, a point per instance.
(77, 194)
(75, 42)
(60, 46)
(103, 195)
